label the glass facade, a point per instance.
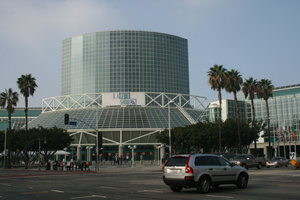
(125, 61)
(284, 108)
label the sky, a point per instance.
(259, 38)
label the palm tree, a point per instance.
(217, 76)
(249, 89)
(27, 86)
(233, 84)
(265, 91)
(9, 99)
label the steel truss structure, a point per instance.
(85, 135)
(70, 102)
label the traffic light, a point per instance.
(66, 119)
(100, 140)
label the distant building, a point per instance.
(284, 109)
(18, 117)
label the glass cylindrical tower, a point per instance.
(125, 61)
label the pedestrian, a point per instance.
(127, 159)
(68, 166)
(116, 159)
(141, 159)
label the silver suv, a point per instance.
(202, 171)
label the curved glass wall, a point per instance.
(125, 61)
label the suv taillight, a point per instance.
(188, 169)
(163, 168)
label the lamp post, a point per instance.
(39, 154)
(169, 118)
(97, 139)
(132, 154)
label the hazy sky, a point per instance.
(260, 38)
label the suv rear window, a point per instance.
(206, 160)
(177, 161)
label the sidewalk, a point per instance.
(107, 168)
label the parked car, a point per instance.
(202, 171)
(228, 155)
(277, 162)
(262, 160)
(247, 161)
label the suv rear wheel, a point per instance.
(259, 166)
(176, 188)
(242, 181)
(204, 185)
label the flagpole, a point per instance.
(297, 127)
(274, 144)
(277, 129)
(284, 151)
(290, 150)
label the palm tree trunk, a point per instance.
(9, 121)
(237, 121)
(269, 134)
(26, 113)
(253, 121)
(220, 120)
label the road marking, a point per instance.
(92, 196)
(157, 191)
(41, 192)
(107, 187)
(6, 184)
(58, 191)
(217, 196)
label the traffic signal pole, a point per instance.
(98, 134)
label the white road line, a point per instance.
(217, 196)
(107, 187)
(157, 191)
(6, 184)
(92, 196)
(58, 191)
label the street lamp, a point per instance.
(132, 154)
(169, 118)
(97, 140)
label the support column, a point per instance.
(78, 153)
(162, 153)
(155, 153)
(121, 153)
(266, 150)
(88, 153)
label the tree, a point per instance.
(250, 87)
(217, 77)
(45, 141)
(265, 91)
(233, 84)
(9, 99)
(27, 86)
(52, 140)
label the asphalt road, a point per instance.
(139, 183)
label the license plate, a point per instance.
(175, 171)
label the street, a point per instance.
(138, 183)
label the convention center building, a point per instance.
(126, 85)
